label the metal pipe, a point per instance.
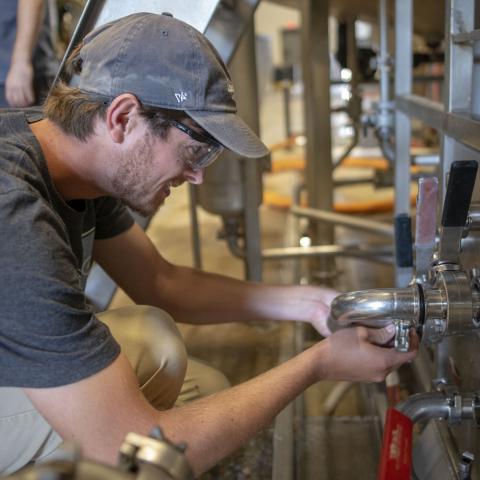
(425, 406)
(339, 390)
(383, 60)
(244, 67)
(316, 80)
(380, 254)
(386, 145)
(195, 227)
(284, 253)
(343, 220)
(385, 119)
(403, 86)
(375, 308)
(353, 143)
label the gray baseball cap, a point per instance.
(166, 63)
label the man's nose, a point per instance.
(195, 177)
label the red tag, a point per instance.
(396, 456)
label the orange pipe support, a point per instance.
(277, 200)
(297, 162)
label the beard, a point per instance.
(132, 175)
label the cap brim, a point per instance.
(231, 131)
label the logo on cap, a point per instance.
(230, 89)
(181, 96)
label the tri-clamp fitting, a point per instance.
(450, 306)
(453, 407)
(442, 299)
(160, 458)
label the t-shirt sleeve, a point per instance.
(48, 334)
(112, 218)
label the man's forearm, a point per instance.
(103, 408)
(193, 296)
(29, 17)
(197, 297)
(216, 426)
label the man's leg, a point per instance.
(152, 343)
(200, 380)
(154, 347)
(24, 433)
(159, 364)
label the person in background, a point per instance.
(27, 59)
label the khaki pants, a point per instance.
(152, 343)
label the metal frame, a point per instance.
(459, 129)
(403, 86)
(316, 78)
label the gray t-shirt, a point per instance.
(49, 335)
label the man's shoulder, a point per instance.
(18, 118)
(22, 166)
(15, 134)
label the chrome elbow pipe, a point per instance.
(454, 408)
(449, 305)
(375, 308)
(424, 406)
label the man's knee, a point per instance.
(201, 380)
(154, 346)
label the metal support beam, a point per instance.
(378, 254)
(429, 112)
(403, 86)
(349, 221)
(316, 77)
(459, 19)
(463, 127)
(195, 228)
(243, 68)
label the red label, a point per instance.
(396, 456)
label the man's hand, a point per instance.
(358, 354)
(320, 315)
(19, 84)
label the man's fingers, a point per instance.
(414, 340)
(328, 294)
(402, 357)
(380, 336)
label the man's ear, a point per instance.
(121, 116)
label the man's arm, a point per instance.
(99, 411)
(193, 296)
(19, 82)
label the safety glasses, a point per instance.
(202, 155)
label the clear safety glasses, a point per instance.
(202, 155)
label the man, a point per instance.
(153, 108)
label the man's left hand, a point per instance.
(319, 320)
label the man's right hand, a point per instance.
(19, 85)
(359, 354)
